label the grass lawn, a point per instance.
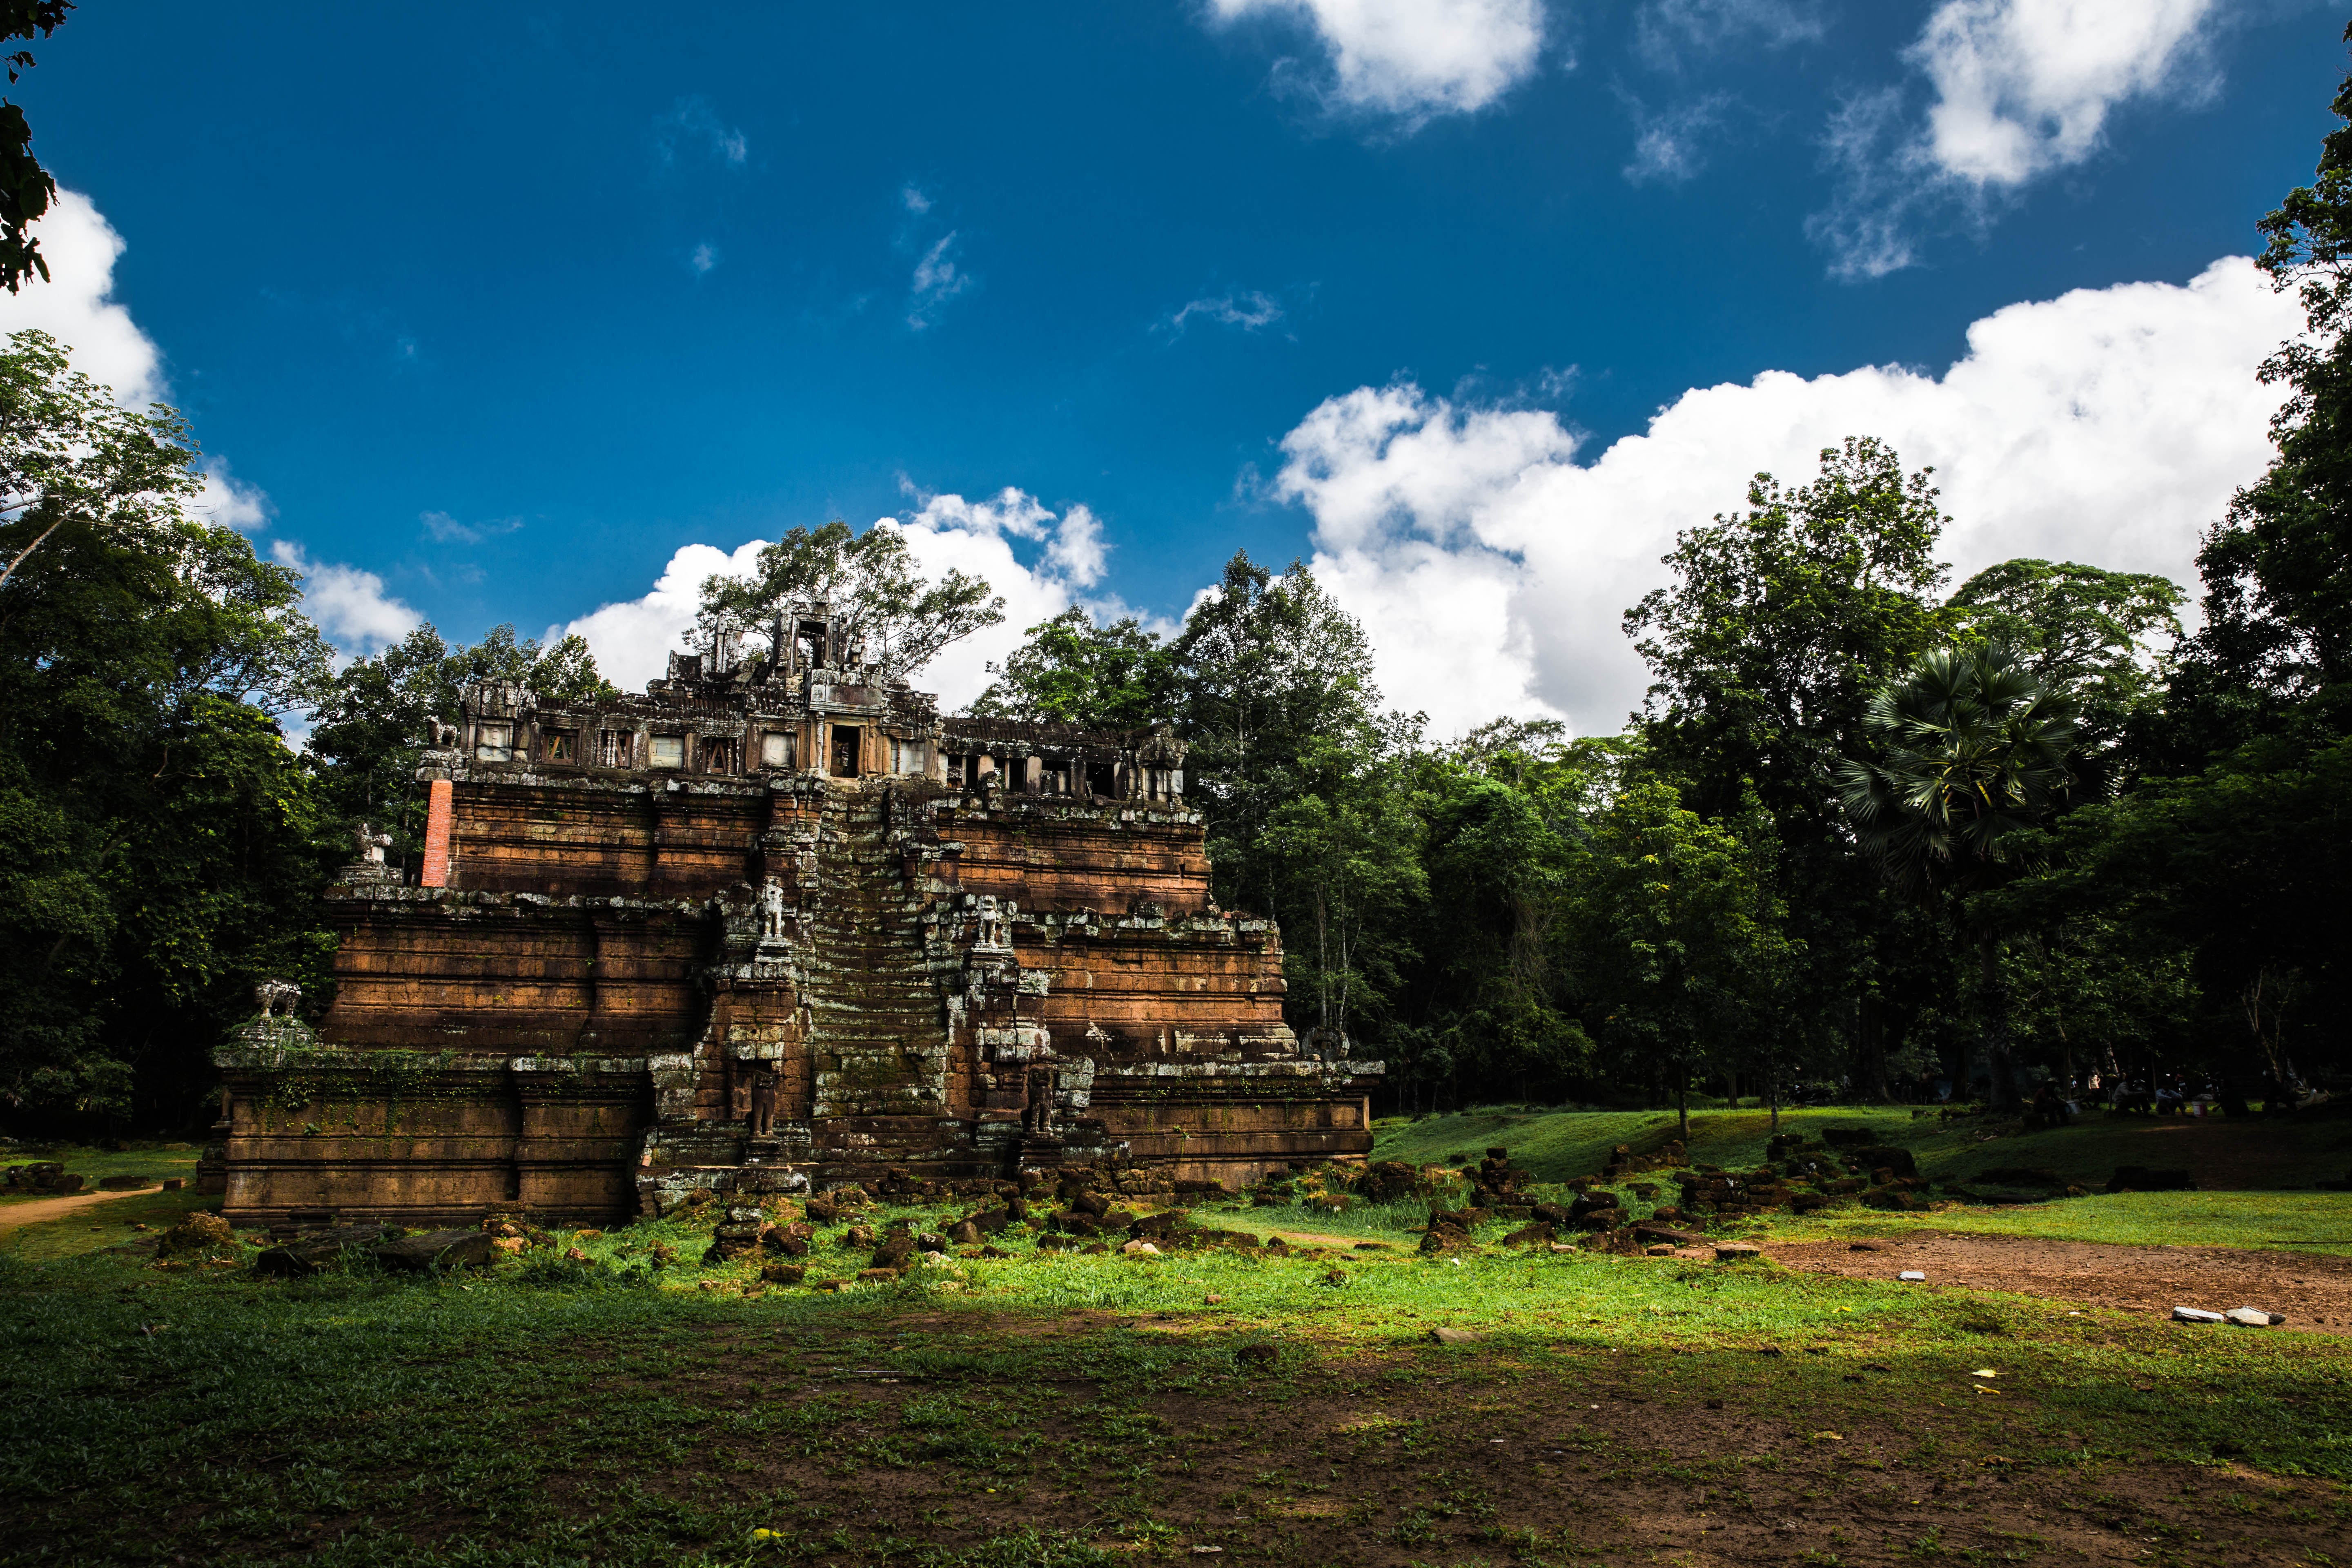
(1057, 1409)
(2291, 1222)
(2296, 1152)
(154, 1161)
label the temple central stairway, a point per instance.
(877, 1037)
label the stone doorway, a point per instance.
(845, 745)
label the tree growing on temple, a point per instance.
(888, 615)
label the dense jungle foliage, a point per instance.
(1870, 832)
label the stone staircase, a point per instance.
(878, 1038)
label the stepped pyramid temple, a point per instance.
(774, 924)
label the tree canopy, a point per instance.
(888, 615)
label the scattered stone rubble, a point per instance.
(43, 1176)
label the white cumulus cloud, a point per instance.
(1413, 58)
(77, 304)
(349, 603)
(2020, 88)
(1492, 569)
(2025, 86)
(229, 500)
(633, 640)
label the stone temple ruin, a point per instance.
(773, 925)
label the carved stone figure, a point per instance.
(277, 998)
(440, 734)
(772, 912)
(370, 844)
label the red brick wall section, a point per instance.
(438, 798)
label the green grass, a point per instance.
(2289, 1222)
(1051, 1408)
(153, 1161)
(99, 1225)
(2293, 1152)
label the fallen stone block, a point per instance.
(1453, 1336)
(1911, 1274)
(1738, 1252)
(435, 1249)
(2196, 1315)
(2253, 1318)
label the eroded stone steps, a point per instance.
(877, 1007)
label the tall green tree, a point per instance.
(2102, 638)
(71, 456)
(1267, 666)
(2277, 568)
(1682, 937)
(1341, 849)
(370, 719)
(1071, 671)
(1970, 757)
(1764, 651)
(161, 847)
(1779, 622)
(1491, 992)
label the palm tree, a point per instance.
(1973, 755)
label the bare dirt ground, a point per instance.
(2312, 1291)
(15, 1215)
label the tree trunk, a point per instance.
(2000, 1095)
(1682, 1105)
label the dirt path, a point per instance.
(2314, 1290)
(39, 1209)
(1319, 1238)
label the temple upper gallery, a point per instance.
(775, 924)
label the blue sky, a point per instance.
(493, 311)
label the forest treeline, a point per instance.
(1873, 834)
